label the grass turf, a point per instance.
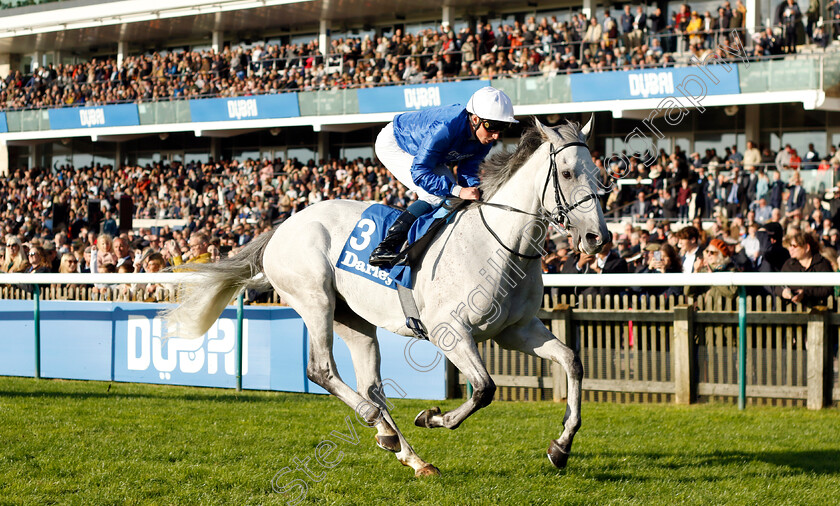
(100, 443)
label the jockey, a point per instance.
(417, 146)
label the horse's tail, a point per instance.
(212, 287)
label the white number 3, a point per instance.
(367, 227)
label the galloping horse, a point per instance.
(497, 241)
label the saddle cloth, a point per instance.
(371, 228)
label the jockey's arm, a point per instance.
(432, 154)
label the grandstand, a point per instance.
(774, 101)
(119, 89)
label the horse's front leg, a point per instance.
(461, 350)
(535, 339)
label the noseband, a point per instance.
(559, 216)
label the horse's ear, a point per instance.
(587, 128)
(543, 130)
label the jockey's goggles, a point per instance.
(494, 126)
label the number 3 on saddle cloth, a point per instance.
(371, 229)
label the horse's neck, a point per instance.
(520, 192)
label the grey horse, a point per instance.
(479, 279)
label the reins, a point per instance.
(560, 215)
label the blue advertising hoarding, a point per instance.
(416, 97)
(693, 82)
(92, 117)
(4, 127)
(127, 342)
(281, 105)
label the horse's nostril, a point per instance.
(593, 238)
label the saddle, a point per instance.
(409, 257)
(368, 233)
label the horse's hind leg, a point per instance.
(533, 338)
(360, 337)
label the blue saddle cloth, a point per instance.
(369, 232)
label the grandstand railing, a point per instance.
(776, 80)
(633, 348)
(820, 72)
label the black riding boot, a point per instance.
(386, 253)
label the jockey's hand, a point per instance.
(470, 193)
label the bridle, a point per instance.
(559, 217)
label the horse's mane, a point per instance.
(500, 167)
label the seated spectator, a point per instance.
(123, 253)
(607, 261)
(37, 260)
(104, 289)
(717, 257)
(804, 257)
(14, 260)
(690, 248)
(661, 258)
(104, 252)
(126, 291)
(151, 292)
(69, 264)
(197, 253)
(51, 260)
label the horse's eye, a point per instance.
(567, 174)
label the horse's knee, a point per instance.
(484, 392)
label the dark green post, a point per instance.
(240, 303)
(742, 347)
(37, 322)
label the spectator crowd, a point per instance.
(710, 213)
(734, 207)
(636, 39)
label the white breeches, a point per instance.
(399, 163)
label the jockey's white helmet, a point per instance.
(491, 104)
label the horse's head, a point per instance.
(568, 190)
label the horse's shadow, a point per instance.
(789, 462)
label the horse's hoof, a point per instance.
(424, 419)
(390, 443)
(427, 470)
(556, 455)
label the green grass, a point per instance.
(99, 443)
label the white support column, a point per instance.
(218, 41)
(588, 8)
(4, 160)
(752, 127)
(6, 64)
(33, 156)
(323, 146)
(36, 60)
(122, 48)
(447, 15)
(324, 33)
(753, 20)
